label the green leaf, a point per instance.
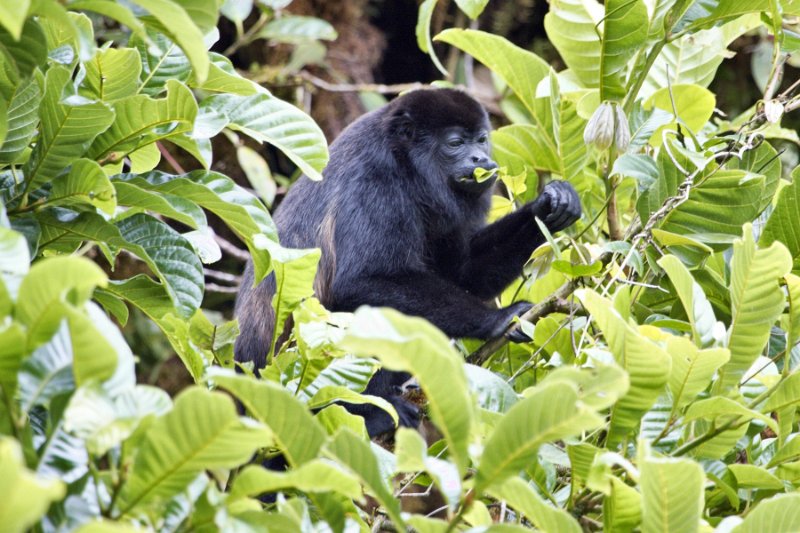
(223, 78)
(161, 60)
(329, 395)
(13, 15)
(519, 495)
(112, 10)
(423, 32)
(782, 224)
(201, 432)
(296, 432)
(572, 27)
(142, 120)
(520, 69)
(550, 412)
(648, 366)
(756, 302)
(313, 476)
(779, 514)
(295, 30)
(723, 409)
(625, 29)
(692, 369)
(672, 495)
(622, 507)
(692, 104)
(237, 208)
(23, 117)
(268, 119)
(473, 8)
(182, 30)
(787, 394)
(111, 74)
(173, 206)
(754, 477)
(412, 456)
(763, 160)
(48, 372)
(68, 127)
(169, 256)
(25, 496)
(27, 52)
(492, 391)
(697, 307)
(793, 293)
(356, 455)
(413, 345)
(50, 285)
(14, 255)
(86, 183)
(204, 13)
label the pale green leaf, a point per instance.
(201, 432)
(785, 395)
(296, 29)
(519, 495)
(23, 117)
(672, 495)
(695, 303)
(782, 224)
(779, 514)
(574, 26)
(14, 254)
(161, 60)
(313, 476)
(13, 15)
(112, 10)
(112, 74)
(625, 29)
(755, 477)
(692, 369)
(423, 32)
(85, 183)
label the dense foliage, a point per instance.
(661, 388)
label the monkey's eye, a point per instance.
(483, 138)
(455, 142)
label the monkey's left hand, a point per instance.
(558, 206)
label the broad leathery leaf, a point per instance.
(789, 452)
(142, 120)
(472, 8)
(23, 117)
(672, 495)
(314, 476)
(25, 496)
(112, 10)
(625, 29)
(622, 507)
(551, 412)
(170, 256)
(85, 183)
(161, 60)
(695, 303)
(755, 477)
(574, 26)
(714, 12)
(3, 121)
(765, 161)
(173, 206)
(492, 391)
(223, 78)
(51, 286)
(779, 514)
(68, 127)
(519, 495)
(204, 13)
(412, 456)
(201, 432)
(521, 147)
(787, 394)
(47, 372)
(296, 29)
(695, 57)
(182, 30)
(296, 432)
(356, 454)
(720, 408)
(414, 345)
(331, 394)
(520, 69)
(598, 387)
(111, 74)
(271, 120)
(692, 368)
(217, 193)
(27, 52)
(756, 302)
(294, 272)
(793, 293)
(782, 224)
(692, 104)
(647, 364)
(15, 258)
(13, 15)
(104, 421)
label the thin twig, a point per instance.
(231, 249)
(359, 87)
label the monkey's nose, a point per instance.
(484, 162)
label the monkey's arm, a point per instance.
(448, 307)
(498, 252)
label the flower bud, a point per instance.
(773, 111)
(622, 131)
(600, 129)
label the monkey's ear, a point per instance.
(401, 125)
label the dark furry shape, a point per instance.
(401, 223)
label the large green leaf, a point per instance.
(524, 499)
(695, 303)
(763, 160)
(112, 74)
(26, 53)
(784, 222)
(13, 15)
(161, 60)
(68, 128)
(201, 432)
(692, 369)
(415, 346)
(23, 117)
(85, 183)
(647, 364)
(756, 302)
(25, 496)
(47, 373)
(314, 476)
(173, 206)
(625, 29)
(423, 32)
(672, 495)
(779, 514)
(520, 69)
(572, 27)
(551, 412)
(142, 120)
(239, 209)
(296, 30)
(297, 433)
(182, 30)
(271, 120)
(112, 10)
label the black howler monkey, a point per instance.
(401, 223)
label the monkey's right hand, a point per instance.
(504, 317)
(558, 206)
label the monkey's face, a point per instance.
(461, 153)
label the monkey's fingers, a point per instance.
(518, 336)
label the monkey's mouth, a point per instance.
(469, 183)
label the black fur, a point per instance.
(401, 224)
